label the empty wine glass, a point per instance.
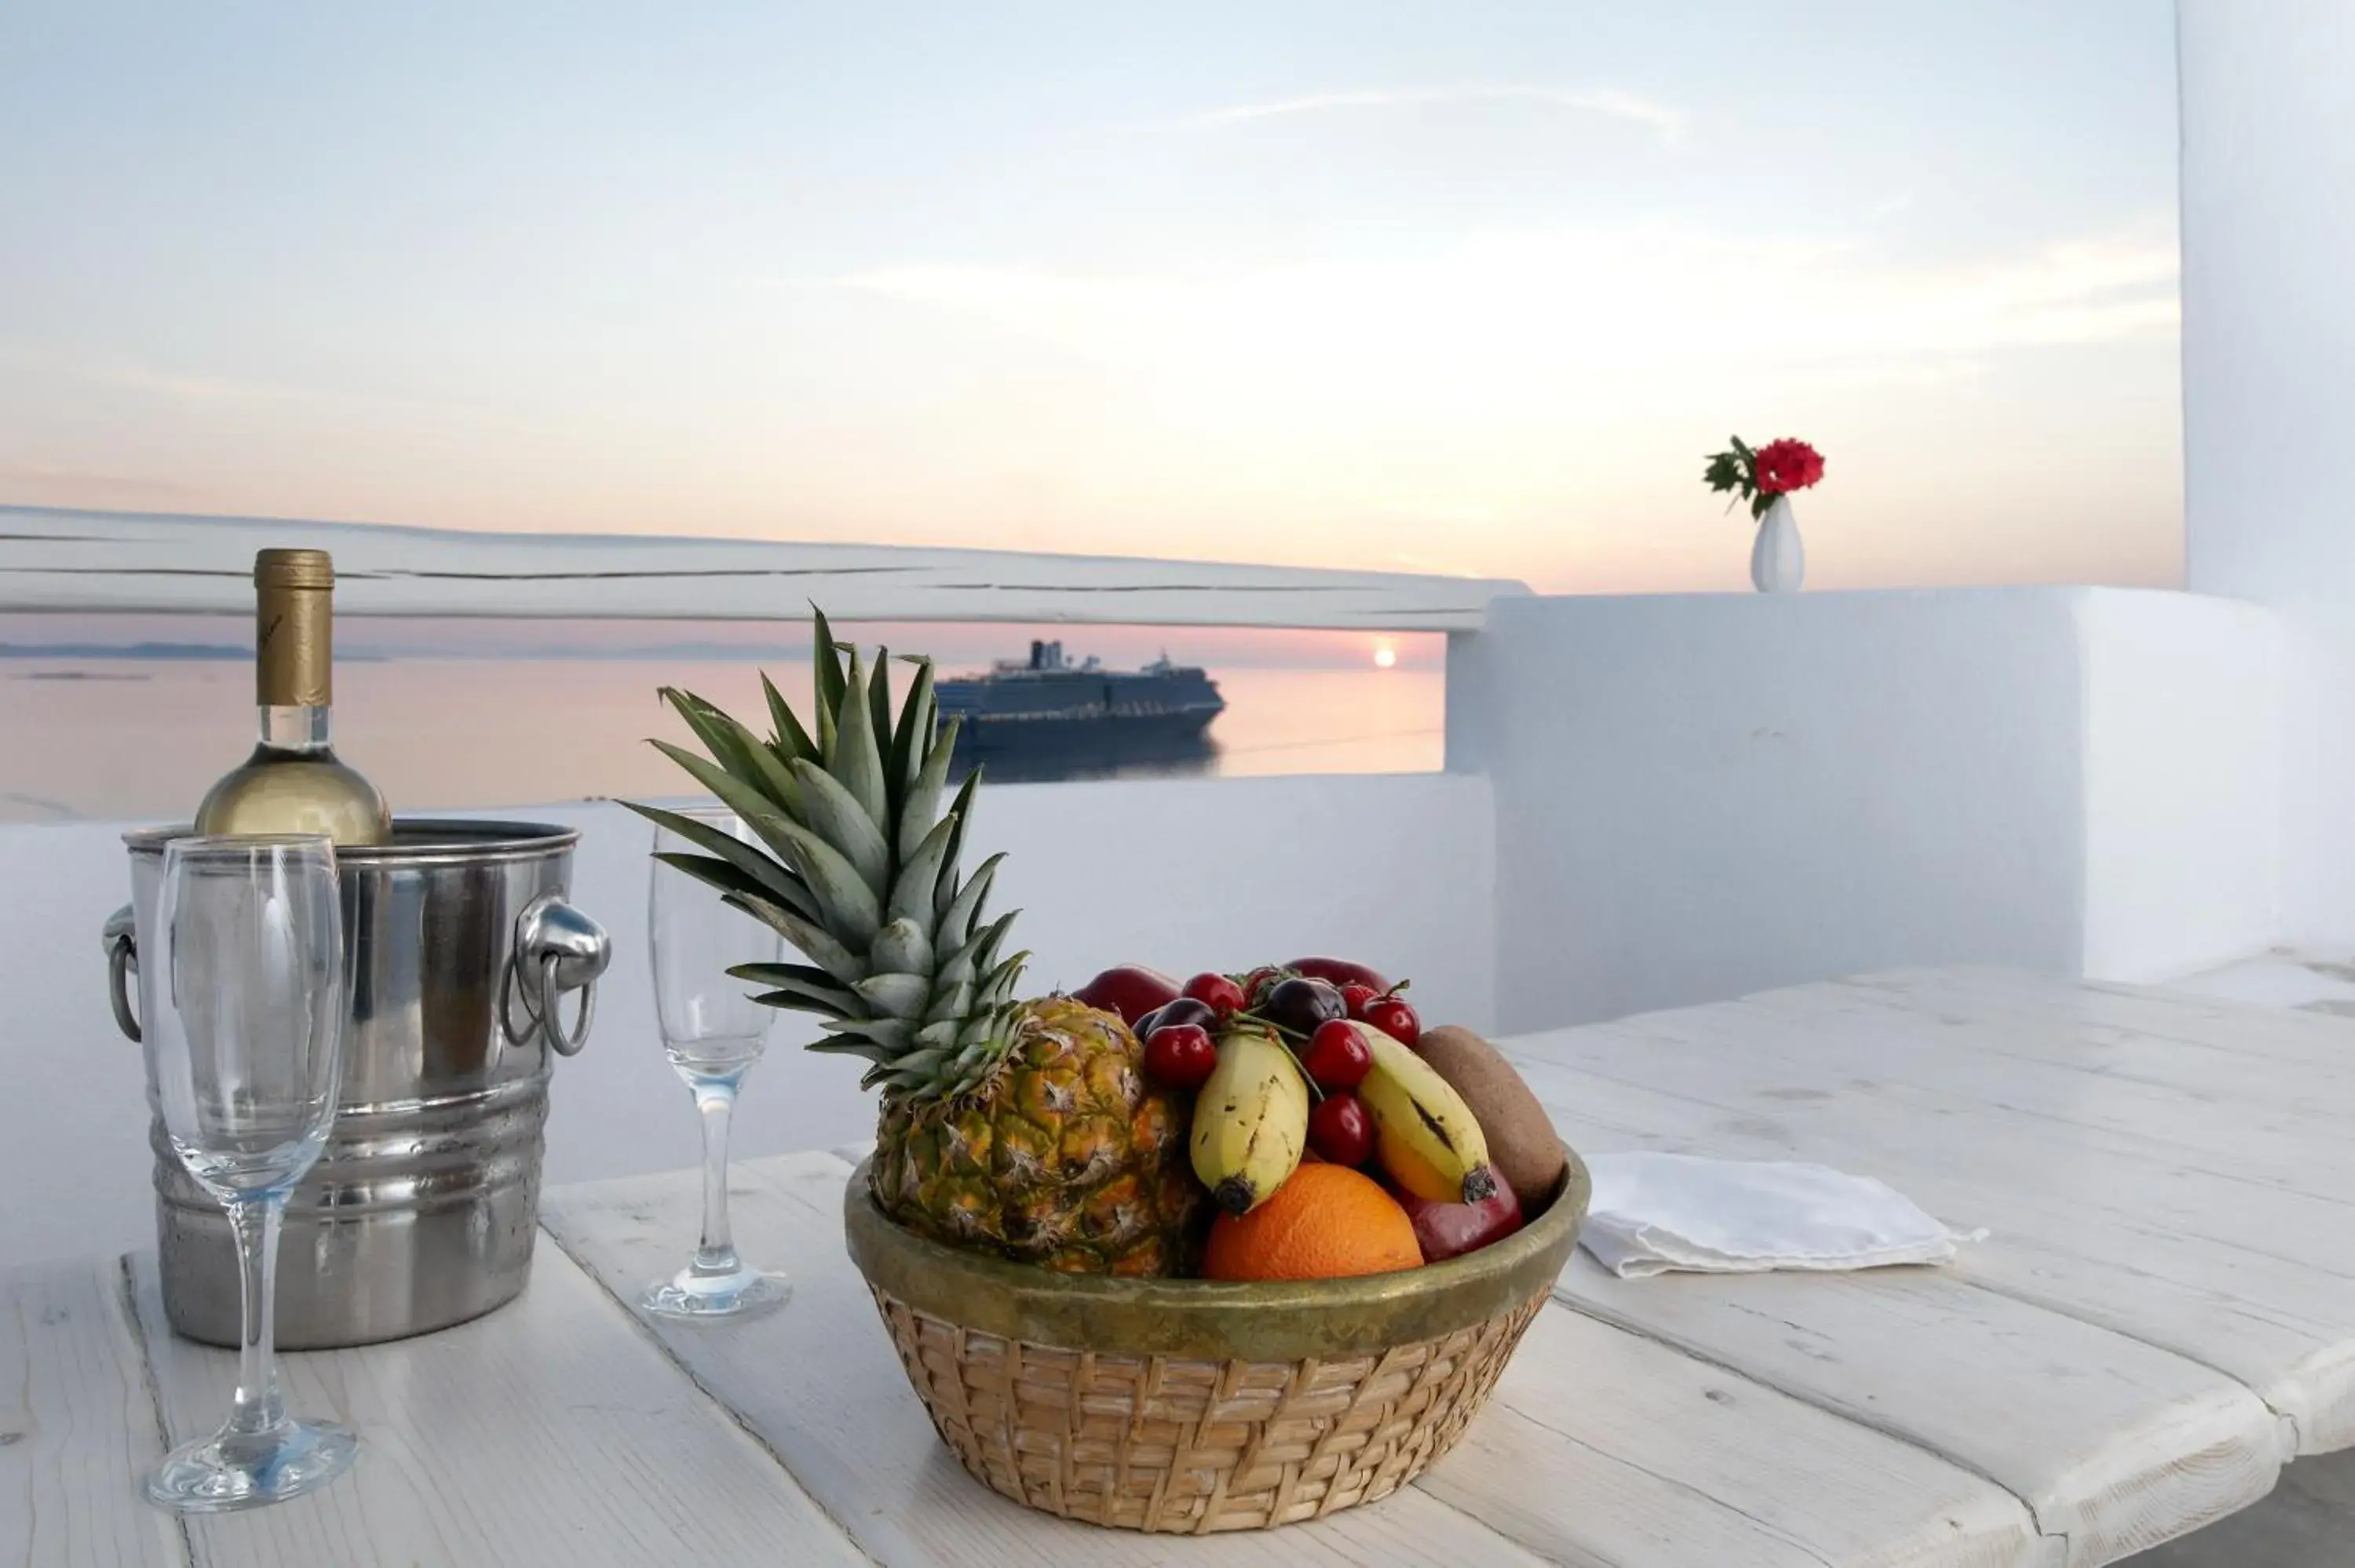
(713, 1031)
(244, 1029)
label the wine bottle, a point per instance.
(293, 783)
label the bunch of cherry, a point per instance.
(1313, 1004)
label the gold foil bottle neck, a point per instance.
(293, 570)
(294, 631)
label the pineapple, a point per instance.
(1020, 1127)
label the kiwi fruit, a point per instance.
(1522, 1144)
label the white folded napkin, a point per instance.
(1654, 1213)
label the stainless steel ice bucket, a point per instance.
(421, 1213)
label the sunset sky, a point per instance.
(1432, 286)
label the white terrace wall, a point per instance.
(2269, 385)
(1698, 796)
(2184, 847)
(1186, 876)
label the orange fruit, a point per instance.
(1325, 1222)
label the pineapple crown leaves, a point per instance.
(856, 866)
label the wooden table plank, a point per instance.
(551, 1432)
(2127, 1014)
(2116, 1443)
(2308, 1522)
(1887, 1077)
(2285, 1328)
(2200, 1252)
(1924, 1057)
(1600, 1446)
(1604, 1446)
(78, 1428)
(2212, 1051)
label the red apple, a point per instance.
(1339, 971)
(1131, 990)
(1450, 1230)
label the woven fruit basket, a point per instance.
(1191, 1405)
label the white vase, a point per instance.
(1778, 562)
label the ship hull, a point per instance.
(1052, 721)
(988, 734)
(1035, 750)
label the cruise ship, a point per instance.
(1048, 705)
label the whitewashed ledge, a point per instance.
(158, 563)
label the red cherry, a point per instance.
(1340, 1129)
(1220, 992)
(1337, 1056)
(1180, 1055)
(1355, 995)
(1395, 1017)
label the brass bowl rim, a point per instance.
(1287, 1321)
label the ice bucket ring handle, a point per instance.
(122, 962)
(557, 948)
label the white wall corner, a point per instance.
(1471, 708)
(1702, 795)
(2183, 712)
(2268, 152)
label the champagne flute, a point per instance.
(713, 1033)
(244, 1042)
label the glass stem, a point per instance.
(716, 1098)
(256, 1223)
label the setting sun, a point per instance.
(1385, 656)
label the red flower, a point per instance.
(1786, 465)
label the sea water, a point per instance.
(139, 739)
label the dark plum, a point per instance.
(1184, 1009)
(1298, 1005)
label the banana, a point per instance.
(1425, 1135)
(1251, 1120)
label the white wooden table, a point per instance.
(2163, 1317)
